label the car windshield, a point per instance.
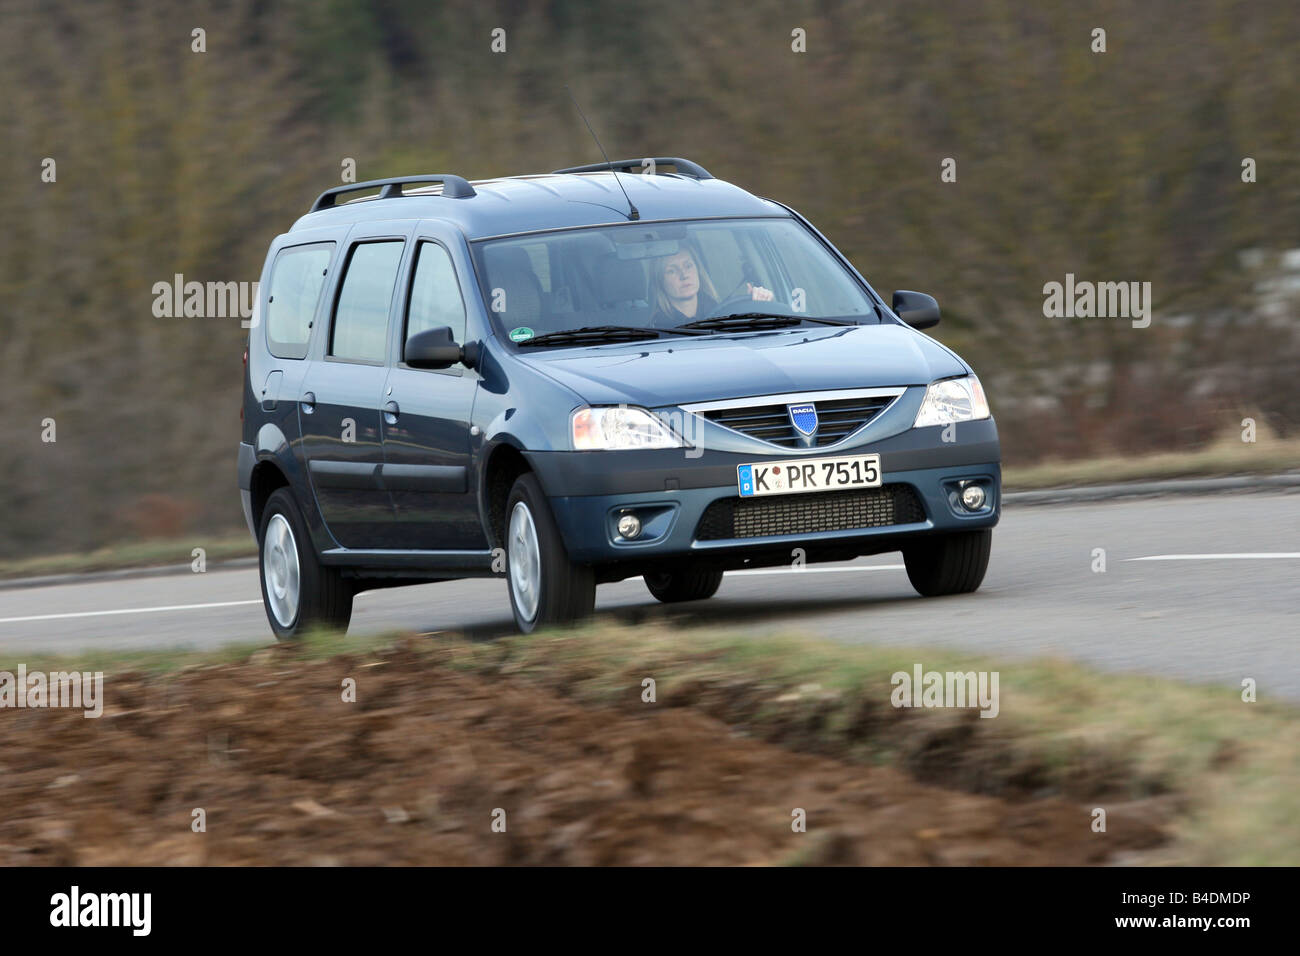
(702, 277)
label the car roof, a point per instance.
(516, 204)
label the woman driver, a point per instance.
(683, 291)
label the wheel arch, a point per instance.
(267, 476)
(504, 463)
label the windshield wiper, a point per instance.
(601, 333)
(597, 333)
(746, 320)
(758, 320)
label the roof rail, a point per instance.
(453, 187)
(683, 166)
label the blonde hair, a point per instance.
(662, 302)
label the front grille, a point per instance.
(836, 419)
(810, 513)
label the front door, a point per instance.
(426, 419)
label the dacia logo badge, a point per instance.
(804, 419)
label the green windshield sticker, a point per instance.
(521, 334)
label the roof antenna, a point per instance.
(633, 214)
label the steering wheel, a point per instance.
(741, 296)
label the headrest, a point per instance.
(619, 280)
(511, 271)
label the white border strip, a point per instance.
(1241, 556)
(125, 610)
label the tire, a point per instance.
(546, 588)
(949, 564)
(693, 583)
(298, 592)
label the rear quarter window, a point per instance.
(297, 280)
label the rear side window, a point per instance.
(297, 279)
(360, 331)
(435, 294)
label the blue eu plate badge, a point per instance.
(746, 475)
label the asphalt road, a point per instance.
(1219, 603)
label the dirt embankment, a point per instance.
(419, 767)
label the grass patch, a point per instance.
(158, 661)
(316, 645)
(1228, 457)
(133, 554)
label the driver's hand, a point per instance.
(758, 293)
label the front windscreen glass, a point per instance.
(641, 280)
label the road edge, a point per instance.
(1153, 489)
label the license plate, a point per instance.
(803, 474)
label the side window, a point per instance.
(297, 279)
(360, 330)
(435, 294)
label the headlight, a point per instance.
(952, 400)
(620, 429)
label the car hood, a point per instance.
(673, 371)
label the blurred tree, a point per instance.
(1115, 166)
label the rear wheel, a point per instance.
(297, 590)
(949, 564)
(692, 583)
(545, 586)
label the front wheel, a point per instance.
(545, 586)
(297, 590)
(950, 563)
(692, 583)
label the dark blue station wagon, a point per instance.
(630, 369)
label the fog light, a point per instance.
(972, 497)
(629, 526)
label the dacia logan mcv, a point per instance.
(580, 377)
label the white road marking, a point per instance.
(125, 610)
(860, 567)
(199, 607)
(1247, 556)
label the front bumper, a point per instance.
(670, 494)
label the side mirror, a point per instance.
(917, 309)
(433, 348)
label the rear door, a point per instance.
(426, 420)
(343, 392)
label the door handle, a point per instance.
(308, 402)
(391, 411)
